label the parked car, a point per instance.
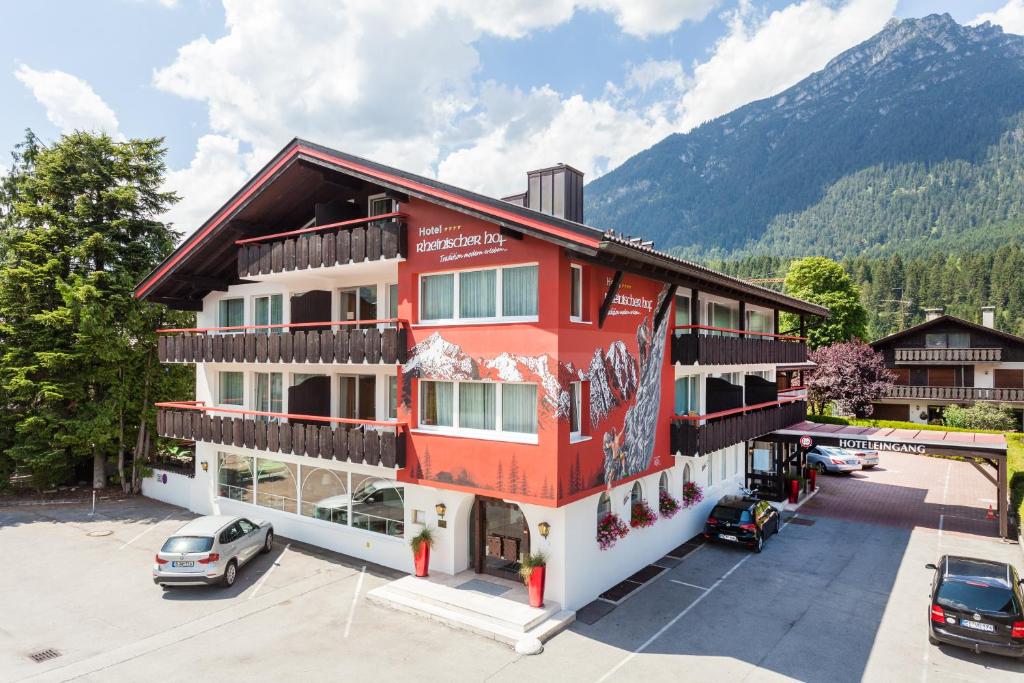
(211, 550)
(868, 459)
(977, 604)
(739, 519)
(830, 459)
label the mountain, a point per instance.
(912, 139)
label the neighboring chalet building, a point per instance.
(376, 351)
(949, 361)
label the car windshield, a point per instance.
(977, 596)
(730, 514)
(187, 544)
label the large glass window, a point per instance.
(230, 389)
(519, 408)
(231, 313)
(378, 505)
(268, 310)
(760, 322)
(393, 301)
(687, 398)
(682, 311)
(436, 404)
(359, 303)
(325, 494)
(268, 392)
(392, 397)
(477, 405)
(276, 485)
(519, 291)
(380, 205)
(496, 293)
(235, 477)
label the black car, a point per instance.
(977, 604)
(738, 519)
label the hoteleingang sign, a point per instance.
(892, 446)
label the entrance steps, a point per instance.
(507, 618)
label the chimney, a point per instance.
(988, 316)
(556, 191)
(932, 313)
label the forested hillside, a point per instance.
(896, 289)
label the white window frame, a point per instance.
(220, 323)
(220, 387)
(270, 308)
(496, 434)
(574, 271)
(497, 319)
(255, 388)
(579, 435)
(373, 197)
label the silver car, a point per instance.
(868, 459)
(211, 550)
(829, 459)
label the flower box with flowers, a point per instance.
(610, 529)
(692, 494)
(667, 505)
(642, 515)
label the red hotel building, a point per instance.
(376, 351)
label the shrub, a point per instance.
(981, 416)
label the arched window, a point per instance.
(604, 507)
(636, 494)
(686, 474)
(663, 484)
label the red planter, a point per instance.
(794, 490)
(422, 559)
(535, 586)
(814, 478)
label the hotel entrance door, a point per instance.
(499, 537)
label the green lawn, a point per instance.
(1014, 452)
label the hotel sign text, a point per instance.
(869, 445)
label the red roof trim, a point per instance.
(380, 175)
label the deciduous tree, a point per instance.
(823, 281)
(850, 374)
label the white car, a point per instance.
(211, 550)
(868, 459)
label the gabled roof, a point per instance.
(947, 319)
(216, 235)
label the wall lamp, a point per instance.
(544, 528)
(205, 465)
(440, 509)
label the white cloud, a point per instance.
(71, 103)
(653, 72)
(217, 171)
(1010, 16)
(760, 57)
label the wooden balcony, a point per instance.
(287, 343)
(703, 434)
(931, 356)
(372, 238)
(958, 394)
(365, 442)
(711, 347)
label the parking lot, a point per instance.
(840, 595)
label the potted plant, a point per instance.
(641, 515)
(692, 494)
(610, 529)
(421, 544)
(533, 569)
(667, 505)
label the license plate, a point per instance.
(727, 537)
(188, 563)
(977, 626)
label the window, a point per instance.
(687, 396)
(235, 477)
(499, 293)
(575, 293)
(358, 397)
(231, 313)
(378, 505)
(359, 303)
(760, 322)
(604, 507)
(268, 392)
(268, 310)
(392, 397)
(575, 402)
(711, 469)
(503, 408)
(230, 388)
(724, 464)
(663, 484)
(636, 494)
(947, 340)
(393, 301)
(720, 315)
(682, 311)
(686, 474)
(324, 495)
(276, 485)
(380, 204)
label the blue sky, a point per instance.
(474, 92)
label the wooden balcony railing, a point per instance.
(368, 442)
(287, 343)
(975, 355)
(703, 434)
(966, 394)
(364, 239)
(711, 347)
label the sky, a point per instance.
(473, 92)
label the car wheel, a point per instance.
(230, 574)
(932, 640)
(760, 544)
(821, 468)
(268, 544)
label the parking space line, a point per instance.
(145, 531)
(277, 562)
(355, 599)
(691, 585)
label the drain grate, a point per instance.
(801, 521)
(44, 655)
